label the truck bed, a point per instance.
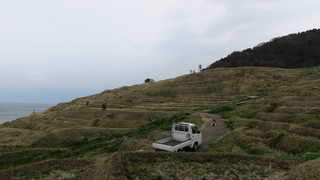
(169, 144)
(172, 143)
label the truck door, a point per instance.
(196, 134)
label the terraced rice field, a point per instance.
(281, 123)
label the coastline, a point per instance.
(12, 111)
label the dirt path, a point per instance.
(209, 133)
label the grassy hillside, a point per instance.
(292, 51)
(273, 115)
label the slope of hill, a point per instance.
(292, 51)
(273, 114)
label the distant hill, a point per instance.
(292, 51)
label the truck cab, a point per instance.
(183, 135)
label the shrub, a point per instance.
(252, 124)
(296, 144)
(255, 151)
(277, 140)
(248, 115)
(231, 124)
(272, 107)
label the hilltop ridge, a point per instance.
(291, 51)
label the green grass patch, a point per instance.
(228, 111)
(310, 72)
(248, 115)
(255, 151)
(237, 113)
(162, 93)
(290, 157)
(252, 124)
(231, 124)
(222, 146)
(102, 144)
(311, 156)
(196, 109)
(311, 118)
(163, 123)
(277, 140)
(313, 153)
(14, 159)
(221, 109)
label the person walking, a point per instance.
(104, 106)
(213, 122)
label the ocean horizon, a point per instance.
(12, 111)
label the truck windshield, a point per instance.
(195, 130)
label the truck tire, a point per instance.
(195, 146)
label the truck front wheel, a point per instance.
(195, 146)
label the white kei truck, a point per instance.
(182, 135)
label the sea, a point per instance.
(12, 111)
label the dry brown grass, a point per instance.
(50, 169)
(297, 144)
(69, 136)
(307, 171)
(193, 165)
(287, 103)
(18, 137)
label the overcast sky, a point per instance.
(57, 50)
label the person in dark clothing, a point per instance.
(104, 106)
(87, 103)
(213, 122)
